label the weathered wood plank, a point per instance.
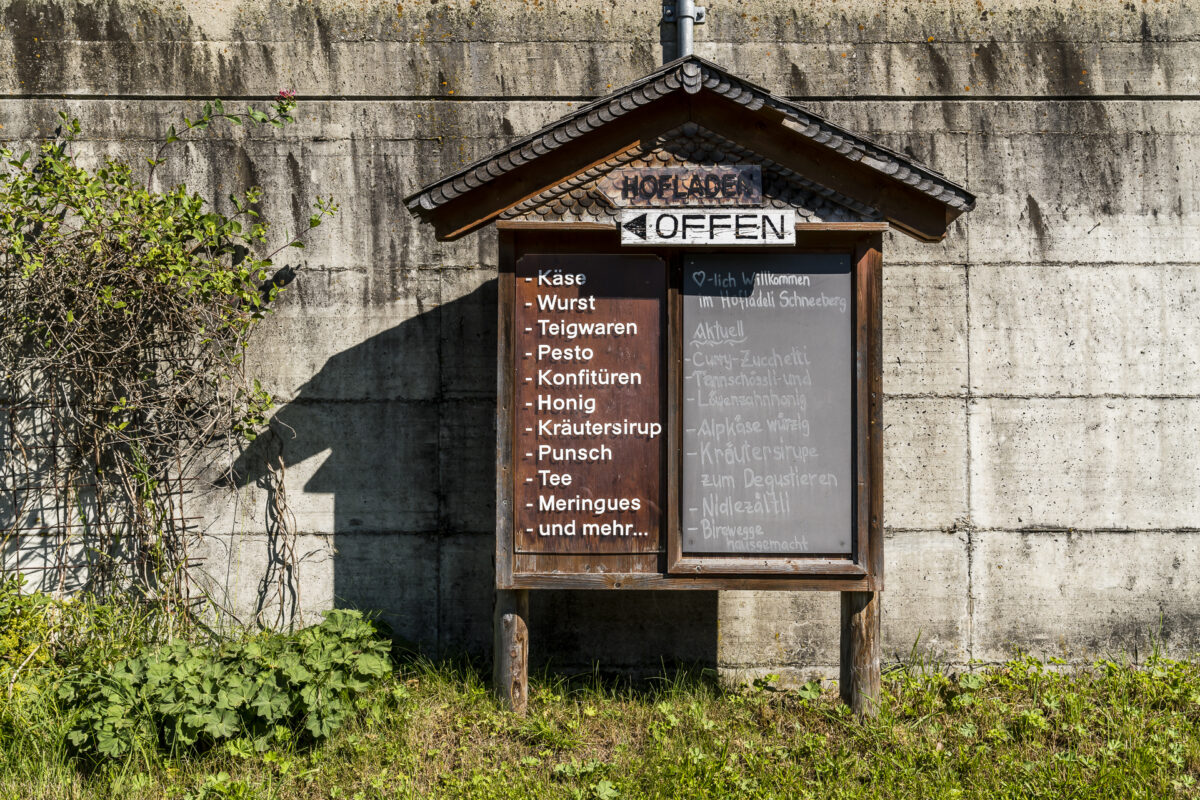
(860, 665)
(568, 564)
(510, 666)
(674, 356)
(505, 391)
(657, 581)
(756, 565)
(874, 426)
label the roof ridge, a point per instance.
(690, 74)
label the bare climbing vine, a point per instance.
(125, 316)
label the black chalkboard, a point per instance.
(768, 407)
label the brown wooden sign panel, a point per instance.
(588, 425)
(726, 185)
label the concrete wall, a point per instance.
(1043, 396)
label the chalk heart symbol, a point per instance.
(698, 277)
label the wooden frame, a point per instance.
(856, 566)
(671, 569)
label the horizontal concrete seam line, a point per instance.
(829, 44)
(368, 270)
(1000, 396)
(889, 529)
(584, 98)
(1017, 265)
(1047, 264)
(300, 98)
(433, 402)
(1098, 396)
(487, 138)
(479, 534)
(805, 668)
(993, 98)
(1045, 530)
(326, 270)
(1050, 36)
(896, 660)
(359, 532)
(214, 140)
(447, 396)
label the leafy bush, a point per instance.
(267, 688)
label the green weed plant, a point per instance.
(26, 625)
(183, 697)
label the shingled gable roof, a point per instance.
(913, 197)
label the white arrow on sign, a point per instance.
(692, 227)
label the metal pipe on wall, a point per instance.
(684, 15)
(685, 18)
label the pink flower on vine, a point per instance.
(286, 95)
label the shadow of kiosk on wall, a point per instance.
(404, 425)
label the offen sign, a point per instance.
(702, 227)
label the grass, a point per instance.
(1019, 730)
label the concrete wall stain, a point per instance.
(1035, 220)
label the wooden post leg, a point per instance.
(510, 665)
(860, 675)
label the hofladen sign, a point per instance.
(732, 185)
